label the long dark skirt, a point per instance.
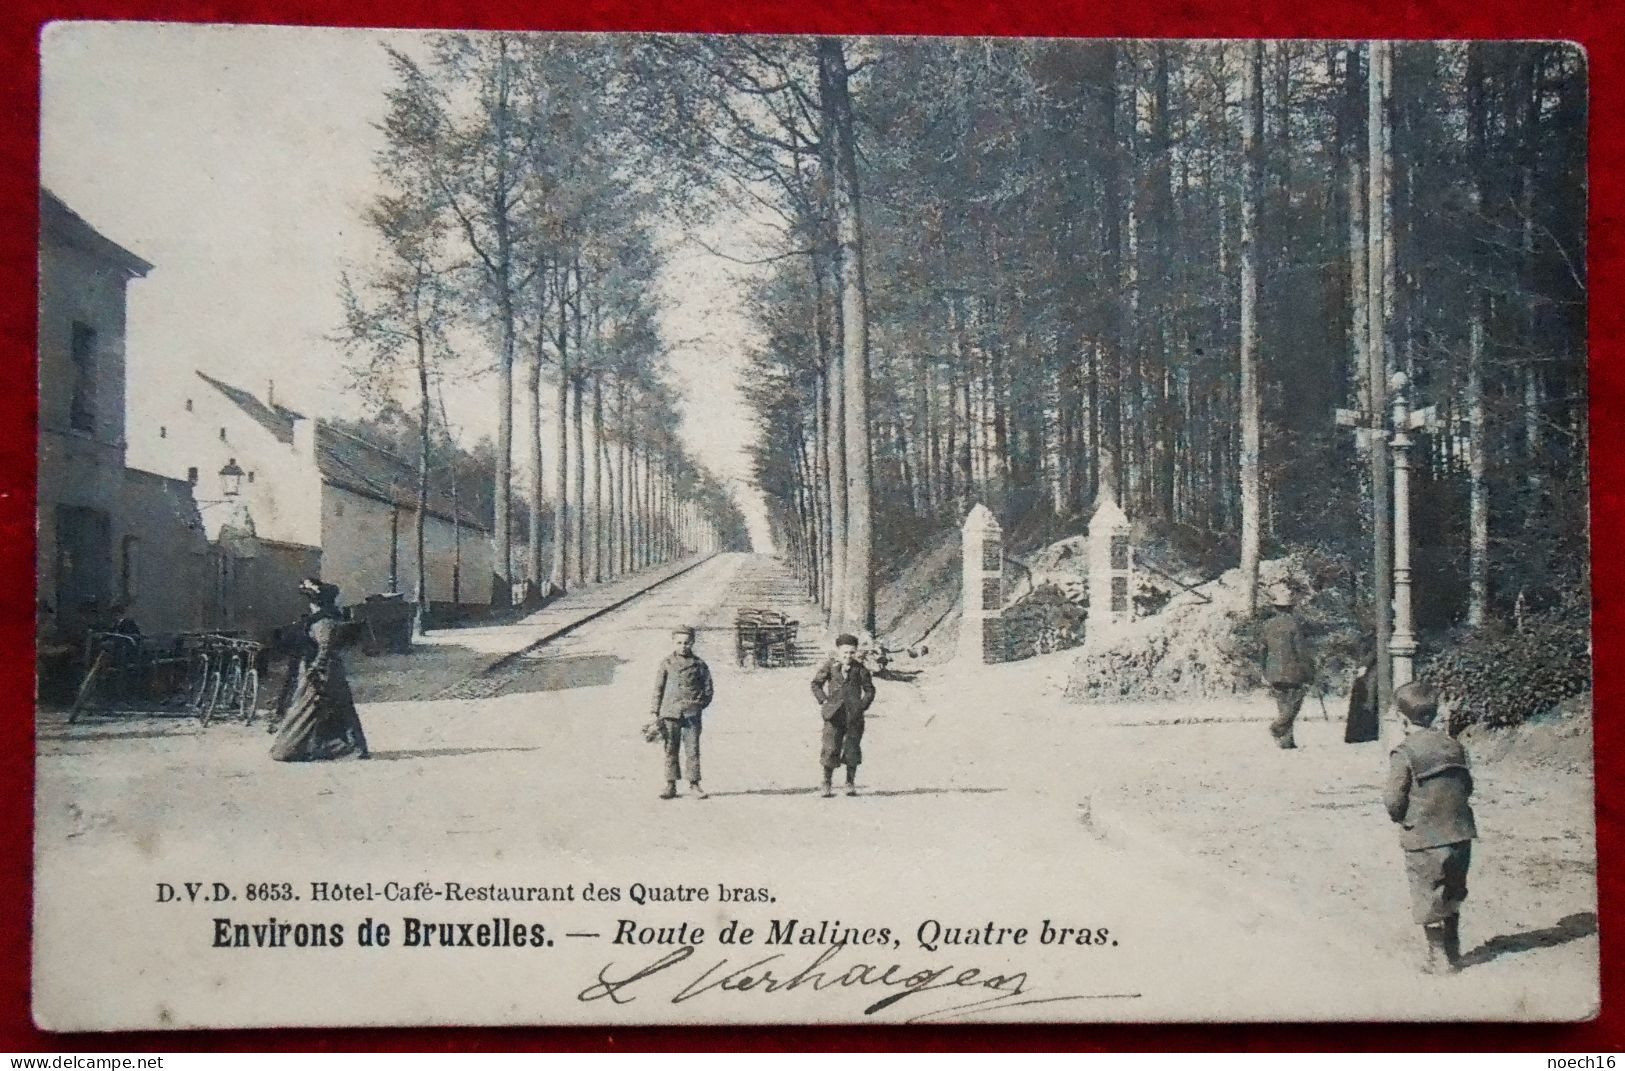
(322, 722)
(1362, 724)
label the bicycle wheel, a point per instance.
(211, 694)
(249, 706)
(87, 687)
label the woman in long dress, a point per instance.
(322, 722)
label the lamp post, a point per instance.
(1402, 646)
(1369, 428)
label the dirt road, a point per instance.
(988, 806)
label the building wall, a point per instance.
(282, 490)
(160, 554)
(257, 594)
(356, 533)
(78, 467)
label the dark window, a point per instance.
(188, 405)
(126, 569)
(1120, 551)
(163, 432)
(992, 556)
(191, 475)
(84, 552)
(250, 475)
(1119, 594)
(222, 434)
(82, 408)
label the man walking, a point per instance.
(682, 692)
(844, 689)
(1287, 667)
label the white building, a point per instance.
(304, 482)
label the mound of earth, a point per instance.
(1558, 740)
(1196, 649)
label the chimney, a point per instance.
(270, 393)
(304, 439)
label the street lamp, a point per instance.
(1369, 427)
(1402, 645)
(231, 479)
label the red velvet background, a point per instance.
(1597, 24)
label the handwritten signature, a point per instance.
(1011, 990)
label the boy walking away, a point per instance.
(844, 689)
(1427, 791)
(682, 692)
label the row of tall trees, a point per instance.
(516, 221)
(1147, 269)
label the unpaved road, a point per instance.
(986, 799)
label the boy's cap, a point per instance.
(1417, 702)
(683, 630)
(846, 639)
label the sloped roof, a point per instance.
(365, 468)
(273, 418)
(59, 221)
(350, 462)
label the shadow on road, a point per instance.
(442, 752)
(1569, 928)
(556, 674)
(813, 790)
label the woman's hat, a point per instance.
(318, 591)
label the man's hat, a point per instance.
(846, 639)
(1282, 597)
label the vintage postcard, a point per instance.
(624, 529)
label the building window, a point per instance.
(126, 569)
(82, 408)
(188, 405)
(191, 475)
(250, 475)
(222, 434)
(163, 432)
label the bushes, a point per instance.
(1502, 676)
(1044, 621)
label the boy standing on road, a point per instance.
(844, 689)
(682, 692)
(1427, 791)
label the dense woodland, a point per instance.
(1023, 273)
(1104, 264)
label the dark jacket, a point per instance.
(682, 687)
(849, 690)
(1427, 790)
(1286, 656)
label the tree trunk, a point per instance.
(579, 460)
(859, 602)
(533, 398)
(420, 595)
(599, 533)
(560, 576)
(1252, 96)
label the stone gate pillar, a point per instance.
(981, 628)
(1111, 571)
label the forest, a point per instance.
(1027, 274)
